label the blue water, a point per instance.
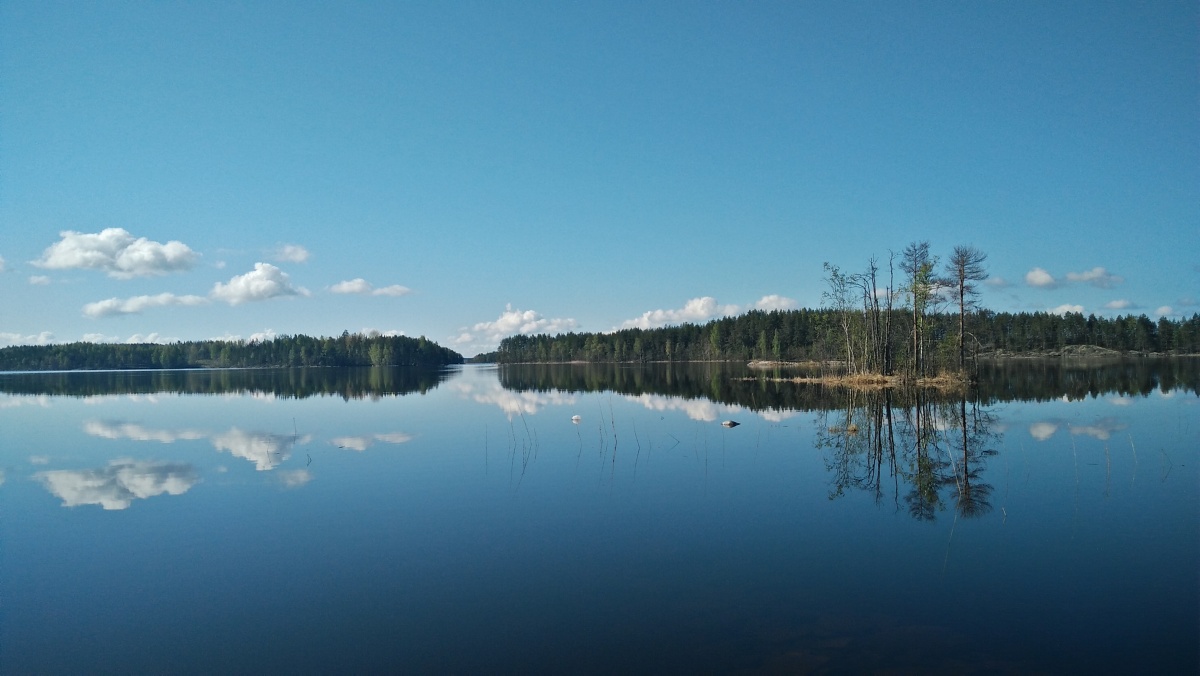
(477, 529)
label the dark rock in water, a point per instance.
(730, 423)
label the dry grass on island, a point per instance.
(826, 374)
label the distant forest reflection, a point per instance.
(735, 384)
(292, 383)
(721, 382)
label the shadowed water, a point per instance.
(311, 521)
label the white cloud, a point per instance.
(266, 451)
(263, 282)
(1187, 301)
(1040, 278)
(392, 290)
(777, 302)
(1043, 430)
(362, 443)
(117, 253)
(119, 484)
(390, 333)
(997, 282)
(1164, 311)
(363, 287)
(43, 338)
(266, 335)
(39, 460)
(2, 264)
(13, 401)
(135, 432)
(1065, 308)
(702, 410)
(358, 285)
(1097, 276)
(359, 444)
(777, 415)
(153, 337)
(98, 338)
(136, 304)
(394, 438)
(39, 280)
(1119, 304)
(1101, 430)
(512, 402)
(291, 253)
(696, 310)
(294, 478)
(512, 322)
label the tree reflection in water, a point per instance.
(931, 450)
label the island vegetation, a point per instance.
(915, 320)
(349, 349)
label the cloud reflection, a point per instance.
(1102, 429)
(265, 450)
(294, 478)
(117, 485)
(1043, 430)
(702, 410)
(15, 400)
(512, 402)
(362, 443)
(120, 430)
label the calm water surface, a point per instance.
(462, 522)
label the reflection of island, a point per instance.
(118, 484)
(763, 390)
(932, 445)
(298, 383)
(1049, 379)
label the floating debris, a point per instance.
(730, 423)
(575, 419)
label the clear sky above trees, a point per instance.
(468, 171)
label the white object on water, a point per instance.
(575, 419)
(730, 423)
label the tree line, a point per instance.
(911, 317)
(801, 335)
(349, 349)
(735, 385)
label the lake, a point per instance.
(464, 521)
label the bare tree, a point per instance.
(839, 296)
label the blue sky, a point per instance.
(469, 170)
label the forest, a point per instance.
(349, 349)
(927, 322)
(802, 335)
